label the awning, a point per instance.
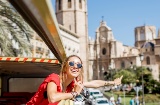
(28, 66)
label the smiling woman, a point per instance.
(67, 85)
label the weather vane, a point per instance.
(102, 18)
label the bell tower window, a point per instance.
(80, 4)
(148, 60)
(104, 51)
(59, 4)
(69, 4)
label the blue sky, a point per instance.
(122, 16)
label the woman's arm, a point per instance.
(54, 96)
(100, 83)
(97, 83)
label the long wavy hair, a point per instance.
(64, 67)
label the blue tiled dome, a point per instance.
(147, 45)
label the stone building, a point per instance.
(106, 53)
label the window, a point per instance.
(70, 27)
(80, 4)
(148, 60)
(142, 34)
(103, 51)
(122, 64)
(15, 84)
(69, 4)
(59, 4)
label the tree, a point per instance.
(15, 34)
(128, 76)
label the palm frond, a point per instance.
(12, 23)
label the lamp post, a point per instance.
(141, 59)
(137, 88)
(124, 89)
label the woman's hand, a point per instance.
(117, 81)
(78, 86)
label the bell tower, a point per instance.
(144, 34)
(72, 14)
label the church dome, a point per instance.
(148, 45)
(103, 24)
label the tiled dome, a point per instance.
(147, 45)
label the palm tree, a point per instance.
(15, 34)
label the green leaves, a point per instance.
(128, 77)
(15, 33)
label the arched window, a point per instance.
(122, 64)
(104, 51)
(59, 4)
(148, 60)
(80, 4)
(69, 4)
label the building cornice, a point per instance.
(67, 31)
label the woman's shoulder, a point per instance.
(52, 77)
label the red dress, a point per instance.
(38, 98)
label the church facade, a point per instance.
(109, 54)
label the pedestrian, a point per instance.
(112, 100)
(132, 101)
(67, 85)
(119, 100)
(136, 100)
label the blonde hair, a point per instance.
(64, 68)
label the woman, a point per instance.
(67, 85)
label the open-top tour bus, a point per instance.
(21, 76)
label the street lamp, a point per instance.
(137, 88)
(124, 89)
(141, 59)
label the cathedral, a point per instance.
(106, 53)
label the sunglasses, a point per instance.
(71, 63)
